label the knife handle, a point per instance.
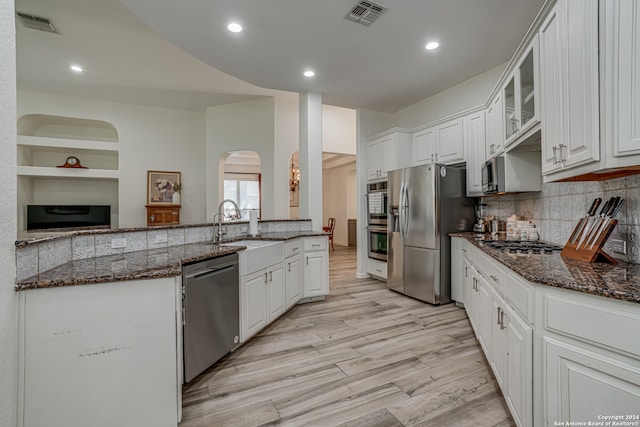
(605, 208)
(594, 206)
(617, 208)
(613, 206)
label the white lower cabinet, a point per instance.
(262, 296)
(582, 347)
(316, 267)
(584, 385)
(519, 354)
(505, 337)
(294, 278)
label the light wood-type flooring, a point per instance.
(365, 356)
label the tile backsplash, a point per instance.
(557, 208)
(34, 258)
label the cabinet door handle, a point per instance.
(561, 148)
(289, 267)
(466, 272)
(307, 258)
(432, 157)
(271, 276)
(555, 149)
(436, 157)
(265, 277)
(499, 317)
(502, 320)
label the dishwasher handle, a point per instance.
(219, 269)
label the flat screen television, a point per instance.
(68, 217)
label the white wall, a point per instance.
(8, 298)
(246, 125)
(151, 138)
(286, 142)
(338, 130)
(468, 94)
(338, 200)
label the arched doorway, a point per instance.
(241, 181)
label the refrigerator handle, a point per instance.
(406, 210)
(401, 212)
(404, 205)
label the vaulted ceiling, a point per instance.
(180, 53)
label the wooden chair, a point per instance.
(329, 229)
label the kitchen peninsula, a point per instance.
(101, 326)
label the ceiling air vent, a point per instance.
(365, 12)
(36, 22)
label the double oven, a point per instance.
(377, 206)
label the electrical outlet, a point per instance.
(619, 246)
(118, 243)
(161, 238)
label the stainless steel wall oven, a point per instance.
(377, 242)
(377, 205)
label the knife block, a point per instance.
(595, 254)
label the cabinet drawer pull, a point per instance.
(494, 278)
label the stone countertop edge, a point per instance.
(621, 281)
(141, 265)
(26, 242)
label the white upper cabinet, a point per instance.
(520, 96)
(495, 139)
(623, 63)
(475, 142)
(449, 142)
(388, 152)
(442, 143)
(569, 87)
(424, 146)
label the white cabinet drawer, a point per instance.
(377, 268)
(521, 295)
(315, 244)
(497, 275)
(293, 247)
(613, 325)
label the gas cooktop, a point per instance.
(524, 247)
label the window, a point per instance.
(244, 189)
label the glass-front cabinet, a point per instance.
(519, 96)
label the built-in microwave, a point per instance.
(493, 176)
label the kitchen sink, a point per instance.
(258, 255)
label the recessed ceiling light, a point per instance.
(234, 27)
(432, 45)
(76, 68)
(309, 73)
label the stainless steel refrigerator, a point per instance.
(426, 203)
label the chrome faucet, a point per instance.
(217, 237)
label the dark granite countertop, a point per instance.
(621, 281)
(149, 264)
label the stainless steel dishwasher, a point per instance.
(211, 316)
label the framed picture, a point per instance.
(161, 186)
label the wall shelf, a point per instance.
(74, 144)
(72, 173)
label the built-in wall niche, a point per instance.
(241, 181)
(45, 142)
